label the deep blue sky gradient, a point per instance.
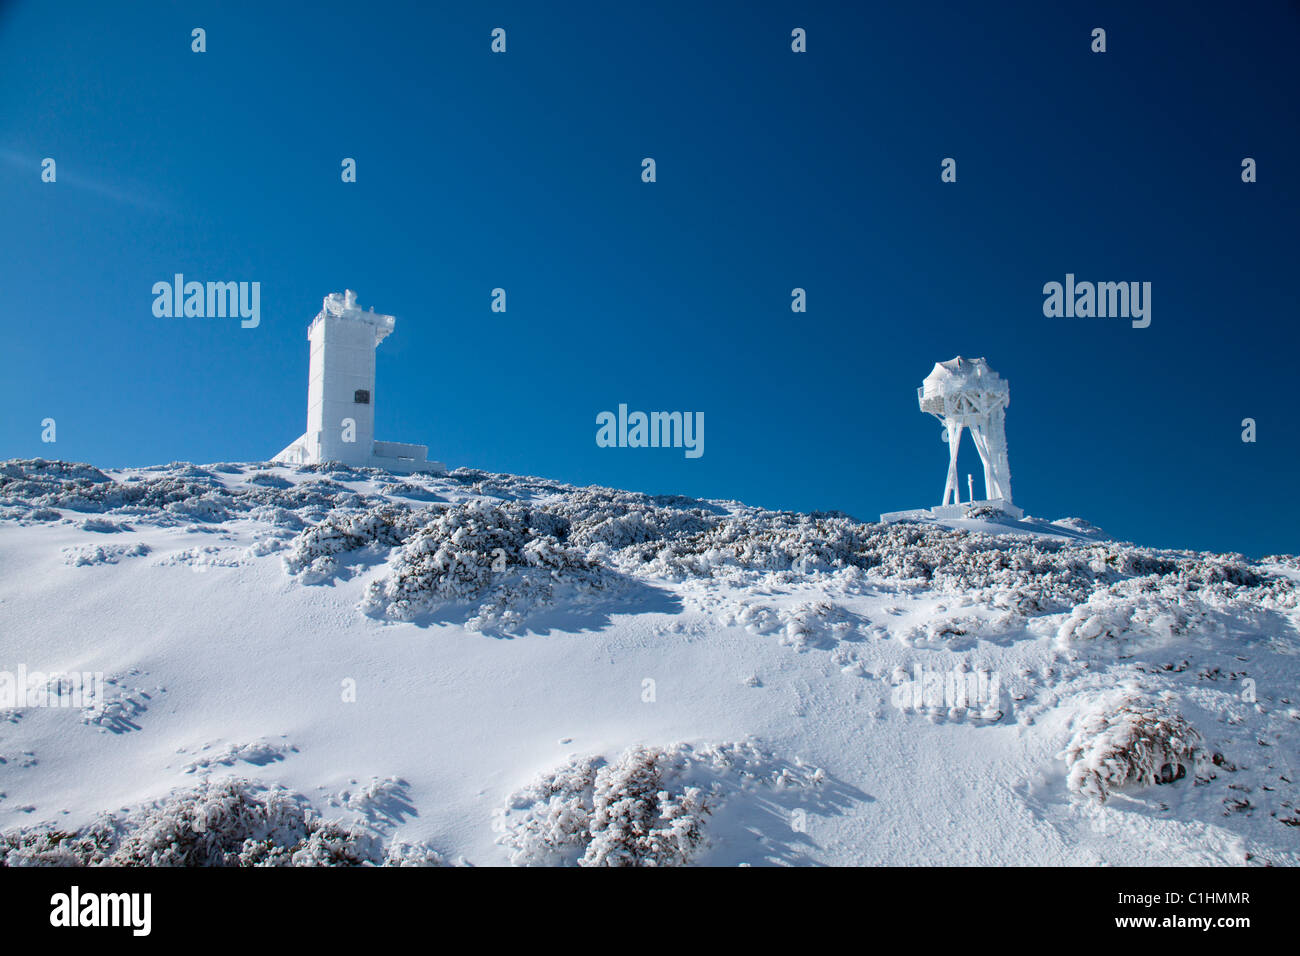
(775, 170)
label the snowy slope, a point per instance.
(513, 641)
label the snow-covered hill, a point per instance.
(317, 664)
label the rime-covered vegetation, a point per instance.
(230, 822)
(650, 806)
(520, 541)
(1128, 740)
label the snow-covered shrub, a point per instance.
(952, 629)
(42, 468)
(516, 551)
(552, 821)
(637, 811)
(755, 540)
(649, 807)
(1112, 615)
(313, 553)
(636, 821)
(50, 846)
(598, 535)
(206, 507)
(87, 555)
(1130, 740)
(268, 479)
(412, 854)
(408, 489)
(278, 516)
(202, 558)
(1176, 599)
(218, 823)
(263, 546)
(1027, 575)
(803, 625)
(164, 495)
(619, 519)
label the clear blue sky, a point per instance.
(775, 170)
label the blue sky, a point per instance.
(775, 170)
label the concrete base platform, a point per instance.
(953, 511)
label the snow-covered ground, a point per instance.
(328, 665)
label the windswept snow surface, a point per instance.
(342, 665)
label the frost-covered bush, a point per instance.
(224, 823)
(649, 807)
(1174, 601)
(551, 825)
(756, 540)
(1113, 616)
(515, 550)
(543, 535)
(78, 487)
(1128, 740)
(637, 811)
(205, 507)
(619, 519)
(164, 495)
(1024, 574)
(268, 479)
(313, 553)
(216, 824)
(803, 625)
(41, 468)
(279, 517)
(94, 554)
(636, 821)
(50, 846)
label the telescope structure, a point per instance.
(965, 394)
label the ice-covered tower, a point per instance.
(341, 392)
(965, 393)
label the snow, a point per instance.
(338, 665)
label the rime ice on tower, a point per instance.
(966, 394)
(341, 393)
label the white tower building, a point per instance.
(341, 393)
(965, 393)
